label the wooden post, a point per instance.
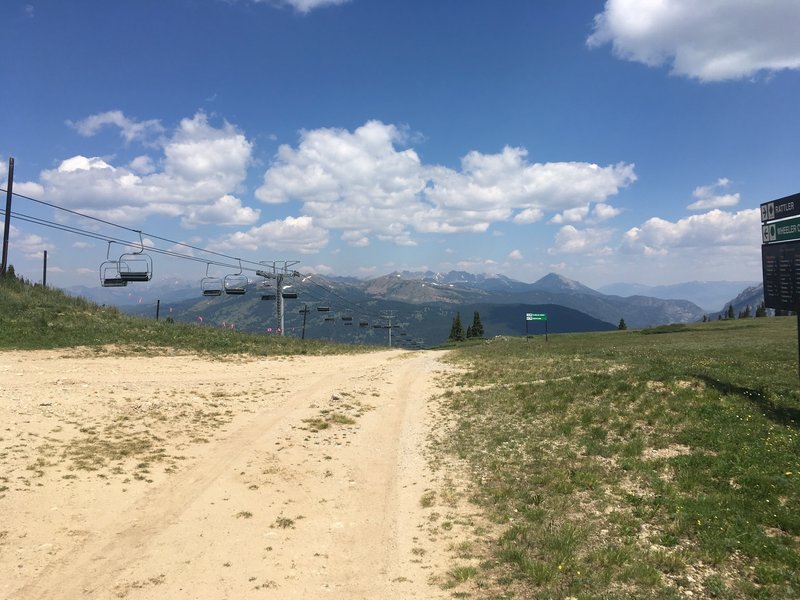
(7, 222)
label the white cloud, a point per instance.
(604, 212)
(320, 269)
(570, 240)
(528, 215)
(28, 245)
(143, 165)
(201, 164)
(130, 130)
(515, 255)
(361, 181)
(303, 6)
(711, 40)
(710, 230)
(228, 210)
(355, 239)
(706, 196)
(291, 234)
(571, 215)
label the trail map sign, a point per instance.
(781, 267)
(780, 256)
(780, 252)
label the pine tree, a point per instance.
(457, 330)
(469, 332)
(477, 326)
(761, 310)
(730, 314)
(622, 325)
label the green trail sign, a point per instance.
(781, 231)
(536, 316)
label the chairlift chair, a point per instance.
(109, 275)
(289, 295)
(235, 284)
(269, 296)
(323, 309)
(109, 272)
(363, 323)
(211, 286)
(136, 266)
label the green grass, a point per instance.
(34, 318)
(628, 465)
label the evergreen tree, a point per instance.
(469, 332)
(761, 310)
(705, 318)
(477, 326)
(730, 314)
(457, 330)
(622, 325)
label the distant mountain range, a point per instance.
(710, 295)
(423, 305)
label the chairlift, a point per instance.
(289, 295)
(109, 272)
(269, 296)
(136, 266)
(235, 284)
(347, 318)
(323, 309)
(363, 323)
(211, 286)
(109, 275)
(330, 319)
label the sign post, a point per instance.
(780, 256)
(536, 317)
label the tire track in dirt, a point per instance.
(274, 508)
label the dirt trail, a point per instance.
(183, 477)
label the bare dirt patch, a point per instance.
(187, 477)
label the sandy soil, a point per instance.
(185, 477)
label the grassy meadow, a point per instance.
(662, 463)
(34, 318)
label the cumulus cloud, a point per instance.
(28, 245)
(201, 164)
(365, 181)
(712, 40)
(571, 215)
(707, 196)
(571, 240)
(228, 210)
(515, 255)
(603, 212)
(130, 129)
(292, 234)
(713, 229)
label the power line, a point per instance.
(140, 233)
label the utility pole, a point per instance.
(389, 315)
(277, 270)
(7, 221)
(305, 314)
(44, 271)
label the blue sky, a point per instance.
(606, 141)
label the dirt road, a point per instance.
(184, 477)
